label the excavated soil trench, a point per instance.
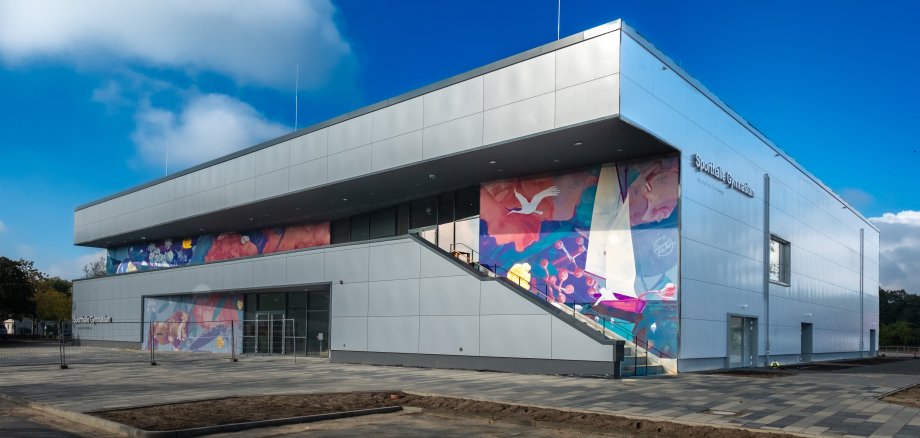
(243, 409)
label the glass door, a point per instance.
(269, 333)
(742, 341)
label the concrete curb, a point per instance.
(553, 425)
(76, 417)
(125, 430)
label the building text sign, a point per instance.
(721, 174)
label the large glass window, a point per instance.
(360, 227)
(383, 223)
(424, 213)
(340, 231)
(779, 261)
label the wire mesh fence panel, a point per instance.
(107, 342)
(38, 343)
(198, 340)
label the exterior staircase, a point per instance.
(639, 359)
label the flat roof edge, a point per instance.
(479, 71)
(747, 125)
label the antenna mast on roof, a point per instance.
(167, 153)
(558, 17)
(296, 92)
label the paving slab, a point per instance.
(785, 402)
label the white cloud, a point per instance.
(209, 126)
(899, 250)
(2, 226)
(73, 269)
(253, 42)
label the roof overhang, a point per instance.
(600, 141)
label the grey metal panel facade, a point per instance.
(391, 295)
(531, 93)
(722, 244)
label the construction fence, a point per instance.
(66, 343)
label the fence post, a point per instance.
(233, 341)
(151, 342)
(61, 345)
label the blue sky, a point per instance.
(91, 93)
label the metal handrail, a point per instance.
(534, 286)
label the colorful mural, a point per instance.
(201, 322)
(602, 240)
(167, 253)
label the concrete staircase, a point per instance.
(637, 362)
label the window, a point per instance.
(779, 261)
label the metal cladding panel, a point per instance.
(589, 60)
(496, 299)
(394, 260)
(707, 301)
(183, 280)
(449, 335)
(182, 207)
(350, 299)
(588, 101)
(393, 298)
(397, 151)
(348, 333)
(516, 336)
(452, 137)
(519, 119)
(237, 275)
(349, 164)
(398, 119)
(306, 175)
(271, 184)
(453, 102)
(213, 199)
(269, 271)
(350, 134)
(305, 269)
(241, 192)
(703, 262)
(348, 264)
(208, 278)
(705, 225)
(272, 158)
(520, 81)
(570, 344)
(211, 177)
(457, 295)
(433, 267)
(186, 185)
(394, 334)
(309, 147)
(240, 168)
(703, 338)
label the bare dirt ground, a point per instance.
(905, 397)
(242, 409)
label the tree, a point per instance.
(95, 268)
(53, 299)
(17, 288)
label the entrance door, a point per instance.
(269, 333)
(806, 341)
(742, 341)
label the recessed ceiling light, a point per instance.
(143, 238)
(250, 218)
(577, 143)
(555, 161)
(344, 199)
(619, 150)
(492, 162)
(501, 170)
